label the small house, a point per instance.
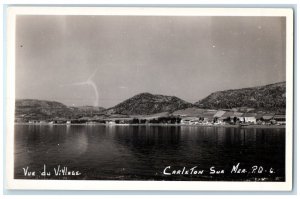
(110, 122)
(248, 118)
(189, 120)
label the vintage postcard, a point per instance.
(149, 98)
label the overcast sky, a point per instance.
(103, 60)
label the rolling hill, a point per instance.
(146, 104)
(32, 109)
(270, 97)
(40, 109)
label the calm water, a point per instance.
(143, 152)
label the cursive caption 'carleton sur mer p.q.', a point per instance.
(236, 169)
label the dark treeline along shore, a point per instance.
(263, 105)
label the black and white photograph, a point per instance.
(151, 97)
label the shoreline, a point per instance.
(166, 125)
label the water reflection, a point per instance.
(141, 152)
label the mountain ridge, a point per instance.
(271, 97)
(268, 97)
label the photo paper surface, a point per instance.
(149, 98)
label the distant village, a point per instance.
(189, 116)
